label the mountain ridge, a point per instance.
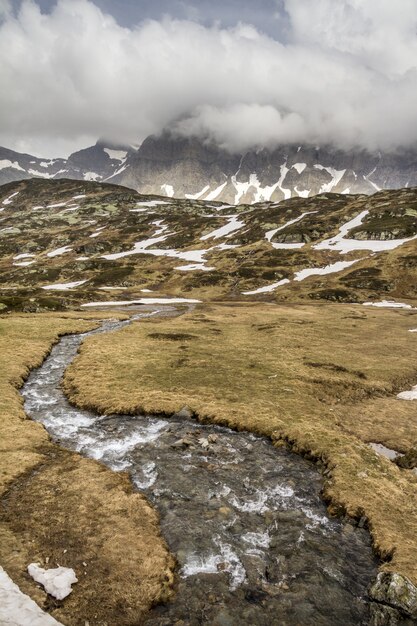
(190, 168)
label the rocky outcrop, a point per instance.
(397, 598)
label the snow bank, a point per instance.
(17, 609)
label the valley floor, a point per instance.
(320, 378)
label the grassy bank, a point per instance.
(322, 378)
(57, 507)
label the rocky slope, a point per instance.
(189, 168)
(63, 243)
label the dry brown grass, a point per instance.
(320, 378)
(57, 507)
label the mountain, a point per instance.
(65, 242)
(102, 161)
(190, 168)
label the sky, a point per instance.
(242, 74)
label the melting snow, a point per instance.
(339, 243)
(53, 206)
(23, 256)
(196, 196)
(408, 395)
(336, 175)
(117, 155)
(390, 304)
(12, 164)
(18, 609)
(64, 286)
(151, 203)
(169, 190)
(194, 267)
(92, 176)
(57, 582)
(270, 233)
(59, 251)
(215, 193)
(384, 451)
(9, 199)
(267, 288)
(300, 167)
(144, 301)
(232, 225)
(81, 195)
(328, 269)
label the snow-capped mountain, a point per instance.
(190, 168)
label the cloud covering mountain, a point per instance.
(342, 72)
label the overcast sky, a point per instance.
(245, 74)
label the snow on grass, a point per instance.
(267, 288)
(196, 196)
(116, 155)
(97, 232)
(55, 206)
(9, 199)
(300, 167)
(408, 395)
(57, 582)
(232, 225)
(143, 301)
(59, 251)
(271, 233)
(379, 448)
(413, 330)
(222, 207)
(328, 269)
(82, 258)
(24, 263)
(79, 196)
(14, 165)
(24, 255)
(215, 193)
(168, 190)
(343, 245)
(18, 609)
(151, 203)
(36, 208)
(64, 286)
(301, 275)
(389, 304)
(192, 267)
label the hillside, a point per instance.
(64, 243)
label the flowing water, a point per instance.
(245, 520)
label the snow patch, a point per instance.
(14, 165)
(92, 176)
(197, 195)
(64, 286)
(300, 167)
(328, 269)
(232, 225)
(117, 155)
(389, 304)
(57, 582)
(267, 288)
(169, 190)
(9, 199)
(59, 252)
(18, 609)
(215, 193)
(144, 301)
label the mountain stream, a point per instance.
(245, 520)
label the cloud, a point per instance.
(346, 75)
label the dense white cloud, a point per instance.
(347, 74)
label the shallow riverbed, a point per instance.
(245, 520)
